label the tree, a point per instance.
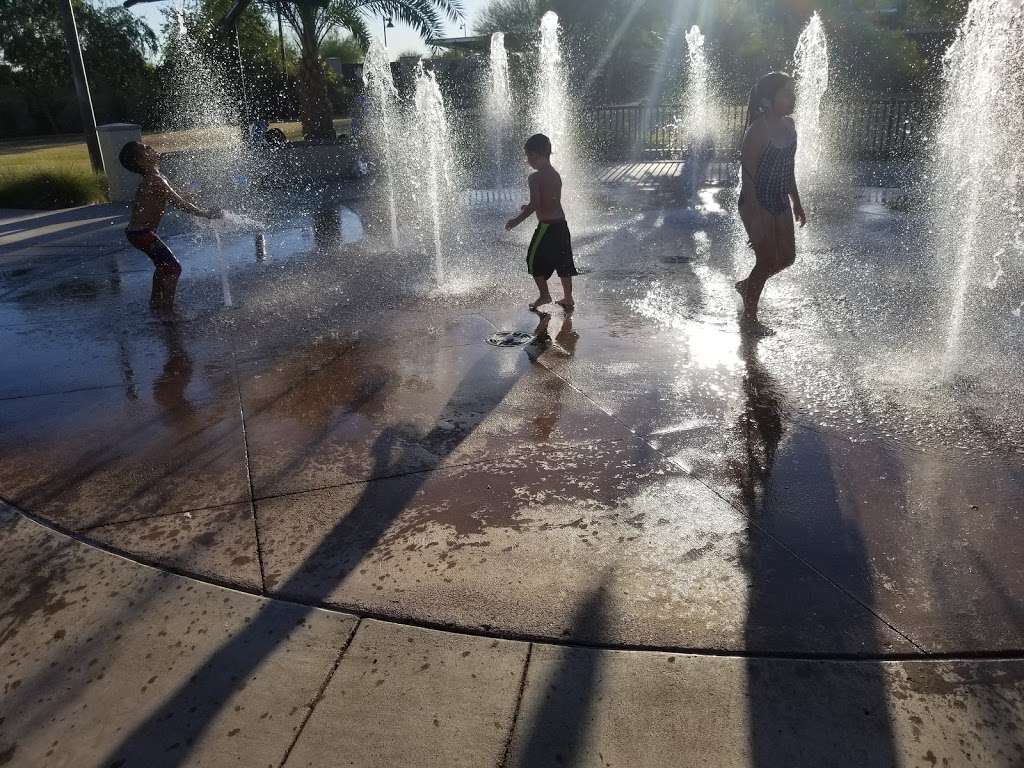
(313, 20)
(618, 48)
(114, 47)
(342, 91)
(612, 44)
(522, 16)
(342, 47)
(248, 64)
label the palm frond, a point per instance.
(342, 15)
(425, 16)
(288, 14)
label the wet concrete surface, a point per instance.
(96, 456)
(642, 476)
(217, 544)
(391, 462)
(87, 226)
(513, 547)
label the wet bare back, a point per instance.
(546, 194)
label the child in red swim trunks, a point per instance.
(151, 200)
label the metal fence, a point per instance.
(874, 129)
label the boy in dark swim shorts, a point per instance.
(151, 200)
(551, 246)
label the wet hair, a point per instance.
(764, 92)
(129, 156)
(538, 144)
(275, 136)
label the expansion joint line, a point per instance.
(515, 712)
(248, 472)
(320, 693)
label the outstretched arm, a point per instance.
(529, 208)
(186, 203)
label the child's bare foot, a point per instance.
(163, 315)
(748, 312)
(540, 301)
(751, 327)
(567, 304)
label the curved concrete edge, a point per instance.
(111, 663)
(84, 539)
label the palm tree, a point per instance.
(522, 16)
(313, 20)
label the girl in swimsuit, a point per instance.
(769, 199)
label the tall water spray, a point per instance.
(198, 92)
(979, 174)
(697, 124)
(198, 97)
(552, 91)
(554, 115)
(382, 111)
(433, 163)
(499, 103)
(810, 60)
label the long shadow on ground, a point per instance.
(559, 730)
(166, 736)
(811, 715)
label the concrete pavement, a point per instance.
(106, 662)
(644, 539)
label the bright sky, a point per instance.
(400, 39)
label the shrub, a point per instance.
(48, 188)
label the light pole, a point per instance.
(280, 37)
(388, 24)
(81, 84)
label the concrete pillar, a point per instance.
(122, 181)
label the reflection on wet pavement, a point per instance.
(343, 435)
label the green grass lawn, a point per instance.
(48, 175)
(18, 157)
(55, 173)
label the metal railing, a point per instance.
(871, 129)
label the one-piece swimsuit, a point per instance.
(774, 180)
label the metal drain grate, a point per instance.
(509, 339)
